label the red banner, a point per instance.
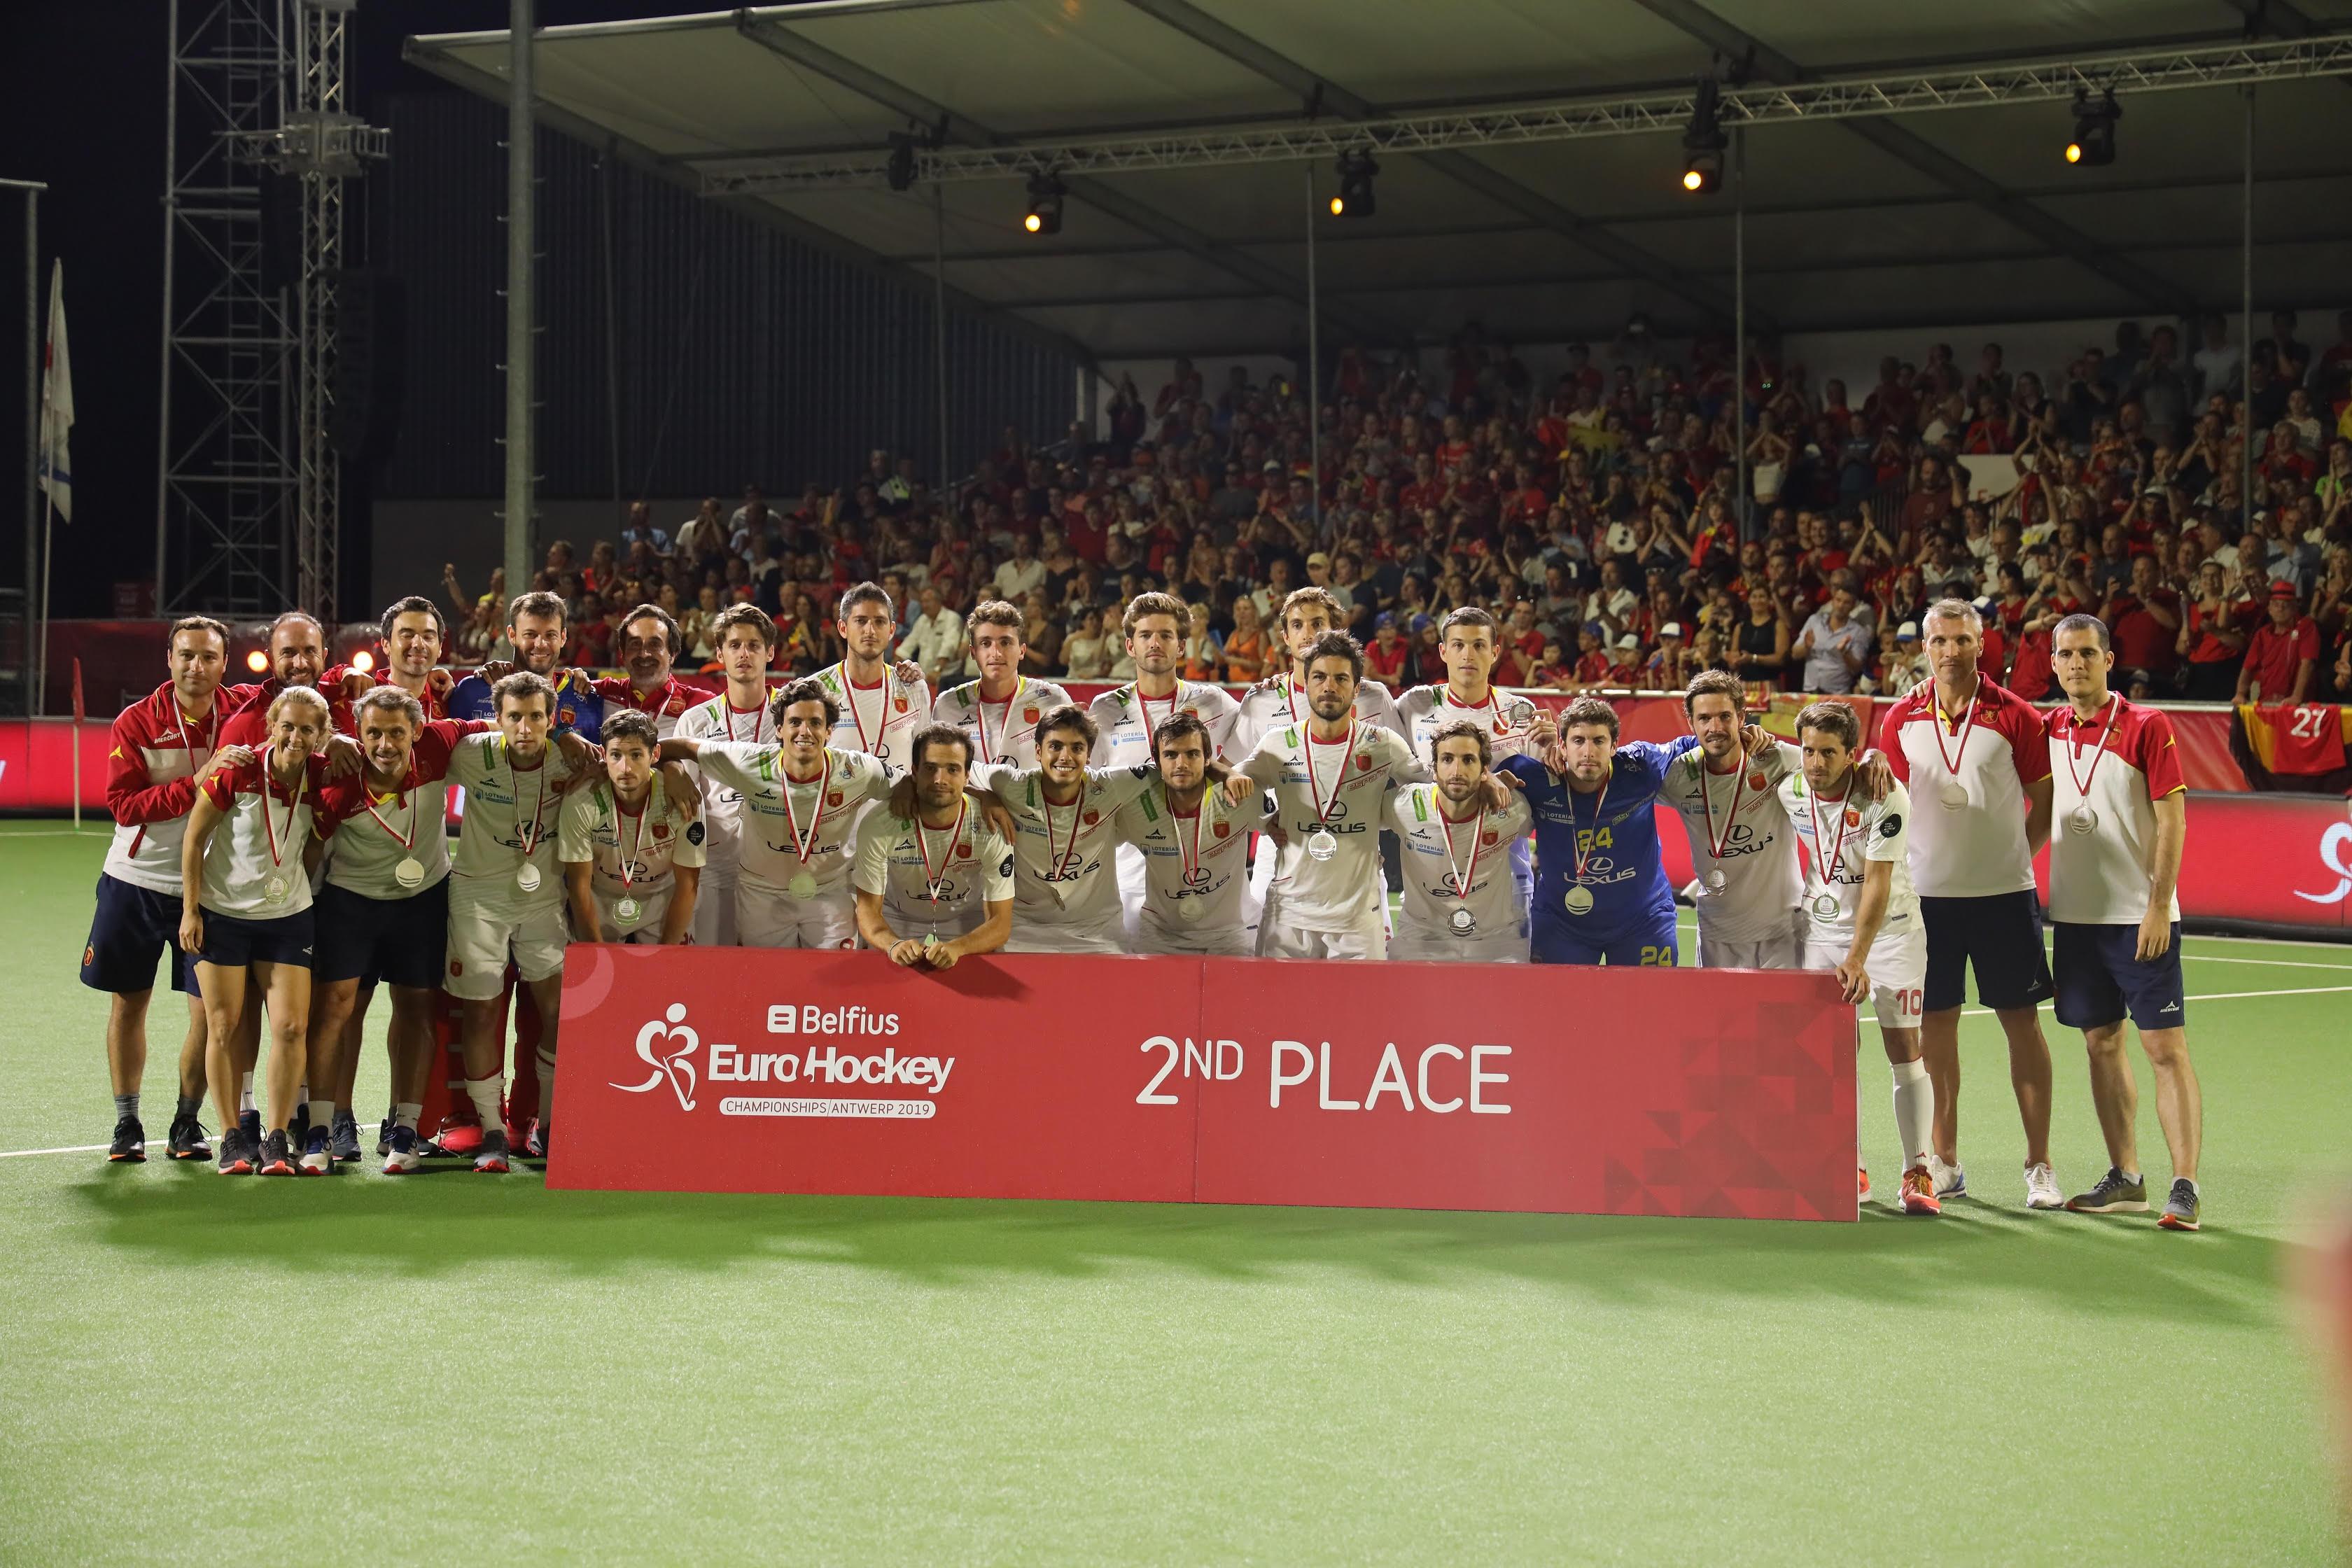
(1374, 1085)
(36, 764)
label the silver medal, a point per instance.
(2083, 820)
(1321, 844)
(627, 912)
(1826, 906)
(1716, 880)
(527, 878)
(274, 890)
(802, 886)
(1953, 794)
(409, 873)
(1462, 921)
(1579, 900)
(1190, 909)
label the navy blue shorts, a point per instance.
(233, 941)
(403, 941)
(2100, 975)
(1557, 942)
(132, 927)
(1999, 936)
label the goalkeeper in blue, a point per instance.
(1600, 893)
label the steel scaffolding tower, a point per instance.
(248, 471)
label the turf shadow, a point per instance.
(442, 1226)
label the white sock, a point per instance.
(1914, 1110)
(322, 1114)
(546, 1087)
(244, 1095)
(484, 1093)
(405, 1115)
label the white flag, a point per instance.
(57, 402)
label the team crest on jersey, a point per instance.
(457, 967)
(1221, 829)
(832, 799)
(902, 701)
(1029, 714)
(565, 715)
(1364, 762)
(1755, 781)
(1090, 817)
(1488, 839)
(661, 830)
(1853, 818)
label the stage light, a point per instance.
(1356, 197)
(1704, 141)
(257, 661)
(2093, 144)
(902, 161)
(1044, 214)
(363, 662)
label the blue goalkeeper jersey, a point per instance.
(1617, 828)
(578, 708)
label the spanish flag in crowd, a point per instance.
(2297, 738)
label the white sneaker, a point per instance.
(1951, 1181)
(2042, 1188)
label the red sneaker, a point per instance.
(1862, 1182)
(1919, 1192)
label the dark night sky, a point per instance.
(81, 106)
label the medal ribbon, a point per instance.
(1715, 845)
(1019, 685)
(727, 711)
(270, 828)
(636, 840)
(947, 857)
(1152, 731)
(539, 809)
(370, 807)
(1462, 879)
(882, 715)
(804, 844)
(1952, 763)
(1190, 857)
(1347, 749)
(1580, 849)
(2074, 750)
(1829, 868)
(1064, 861)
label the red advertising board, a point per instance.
(37, 763)
(1375, 1085)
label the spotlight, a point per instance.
(902, 161)
(2094, 130)
(257, 661)
(1044, 214)
(363, 662)
(1356, 168)
(1704, 141)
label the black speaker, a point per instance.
(368, 382)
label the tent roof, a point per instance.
(1949, 217)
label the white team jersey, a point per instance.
(1440, 856)
(1505, 716)
(259, 840)
(722, 804)
(1856, 830)
(880, 720)
(1125, 719)
(1351, 776)
(509, 817)
(822, 814)
(370, 826)
(1266, 708)
(1742, 812)
(646, 844)
(933, 879)
(1002, 732)
(1197, 858)
(1063, 853)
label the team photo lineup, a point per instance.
(286, 845)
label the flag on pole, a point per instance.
(57, 402)
(80, 714)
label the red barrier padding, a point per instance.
(1362, 1085)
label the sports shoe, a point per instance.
(249, 1123)
(1862, 1182)
(129, 1141)
(536, 1144)
(298, 1132)
(344, 1137)
(383, 1133)
(490, 1155)
(2041, 1187)
(2114, 1194)
(276, 1159)
(187, 1139)
(403, 1157)
(235, 1154)
(2180, 1206)
(1951, 1181)
(1919, 1192)
(318, 1153)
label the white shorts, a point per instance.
(482, 933)
(1785, 950)
(1154, 937)
(767, 919)
(1110, 937)
(1897, 971)
(1414, 945)
(714, 912)
(1285, 939)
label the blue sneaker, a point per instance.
(403, 1154)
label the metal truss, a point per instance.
(2035, 81)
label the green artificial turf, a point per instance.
(196, 1369)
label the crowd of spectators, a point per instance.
(1598, 518)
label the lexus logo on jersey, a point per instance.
(667, 1044)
